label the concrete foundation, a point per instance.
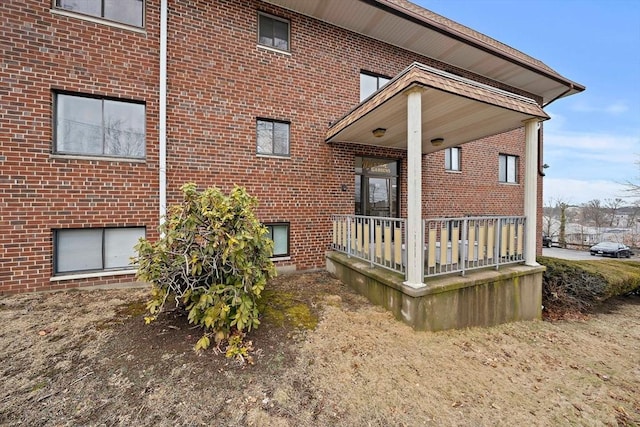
(480, 298)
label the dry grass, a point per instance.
(84, 358)
(532, 373)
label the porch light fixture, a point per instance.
(378, 132)
(436, 142)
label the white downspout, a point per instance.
(163, 112)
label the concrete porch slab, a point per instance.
(480, 298)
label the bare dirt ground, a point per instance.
(86, 358)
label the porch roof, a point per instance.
(454, 108)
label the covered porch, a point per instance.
(423, 110)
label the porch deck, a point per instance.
(483, 297)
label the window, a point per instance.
(273, 32)
(130, 12)
(452, 159)
(508, 168)
(279, 233)
(94, 249)
(273, 137)
(369, 83)
(99, 127)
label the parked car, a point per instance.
(616, 250)
(546, 240)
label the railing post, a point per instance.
(498, 242)
(371, 241)
(424, 257)
(404, 253)
(348, 242)
(465, 245)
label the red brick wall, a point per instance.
(41, 52)
(219, 82)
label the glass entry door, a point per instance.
(376, 187)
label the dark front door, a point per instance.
(376, 187)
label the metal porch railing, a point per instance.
(451, 245)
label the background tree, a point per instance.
(562, 238)
(633, 214)
(549, 215)
(633, 187)
(612, 206)
(554, 219)
(593, 212)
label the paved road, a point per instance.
(574, 254)
(567, 254)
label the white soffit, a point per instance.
(365, 18)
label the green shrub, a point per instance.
(214, 259)
(578, 286)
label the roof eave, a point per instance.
(391, 7)
(541, 81)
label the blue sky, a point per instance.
(592, 142)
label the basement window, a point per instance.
(94, 249)
(279, 233)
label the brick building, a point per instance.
(107, 108)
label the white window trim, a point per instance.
(280, 258)
(98, 20)
(104, 273)
(273, 49)
(275, 156)
(97, 158)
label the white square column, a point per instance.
(415, 239)
(531, 189)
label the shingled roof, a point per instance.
(467, 33)
(457, 109)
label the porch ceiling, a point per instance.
(454, 108)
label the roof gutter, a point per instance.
(540, 145)
(571, 87)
